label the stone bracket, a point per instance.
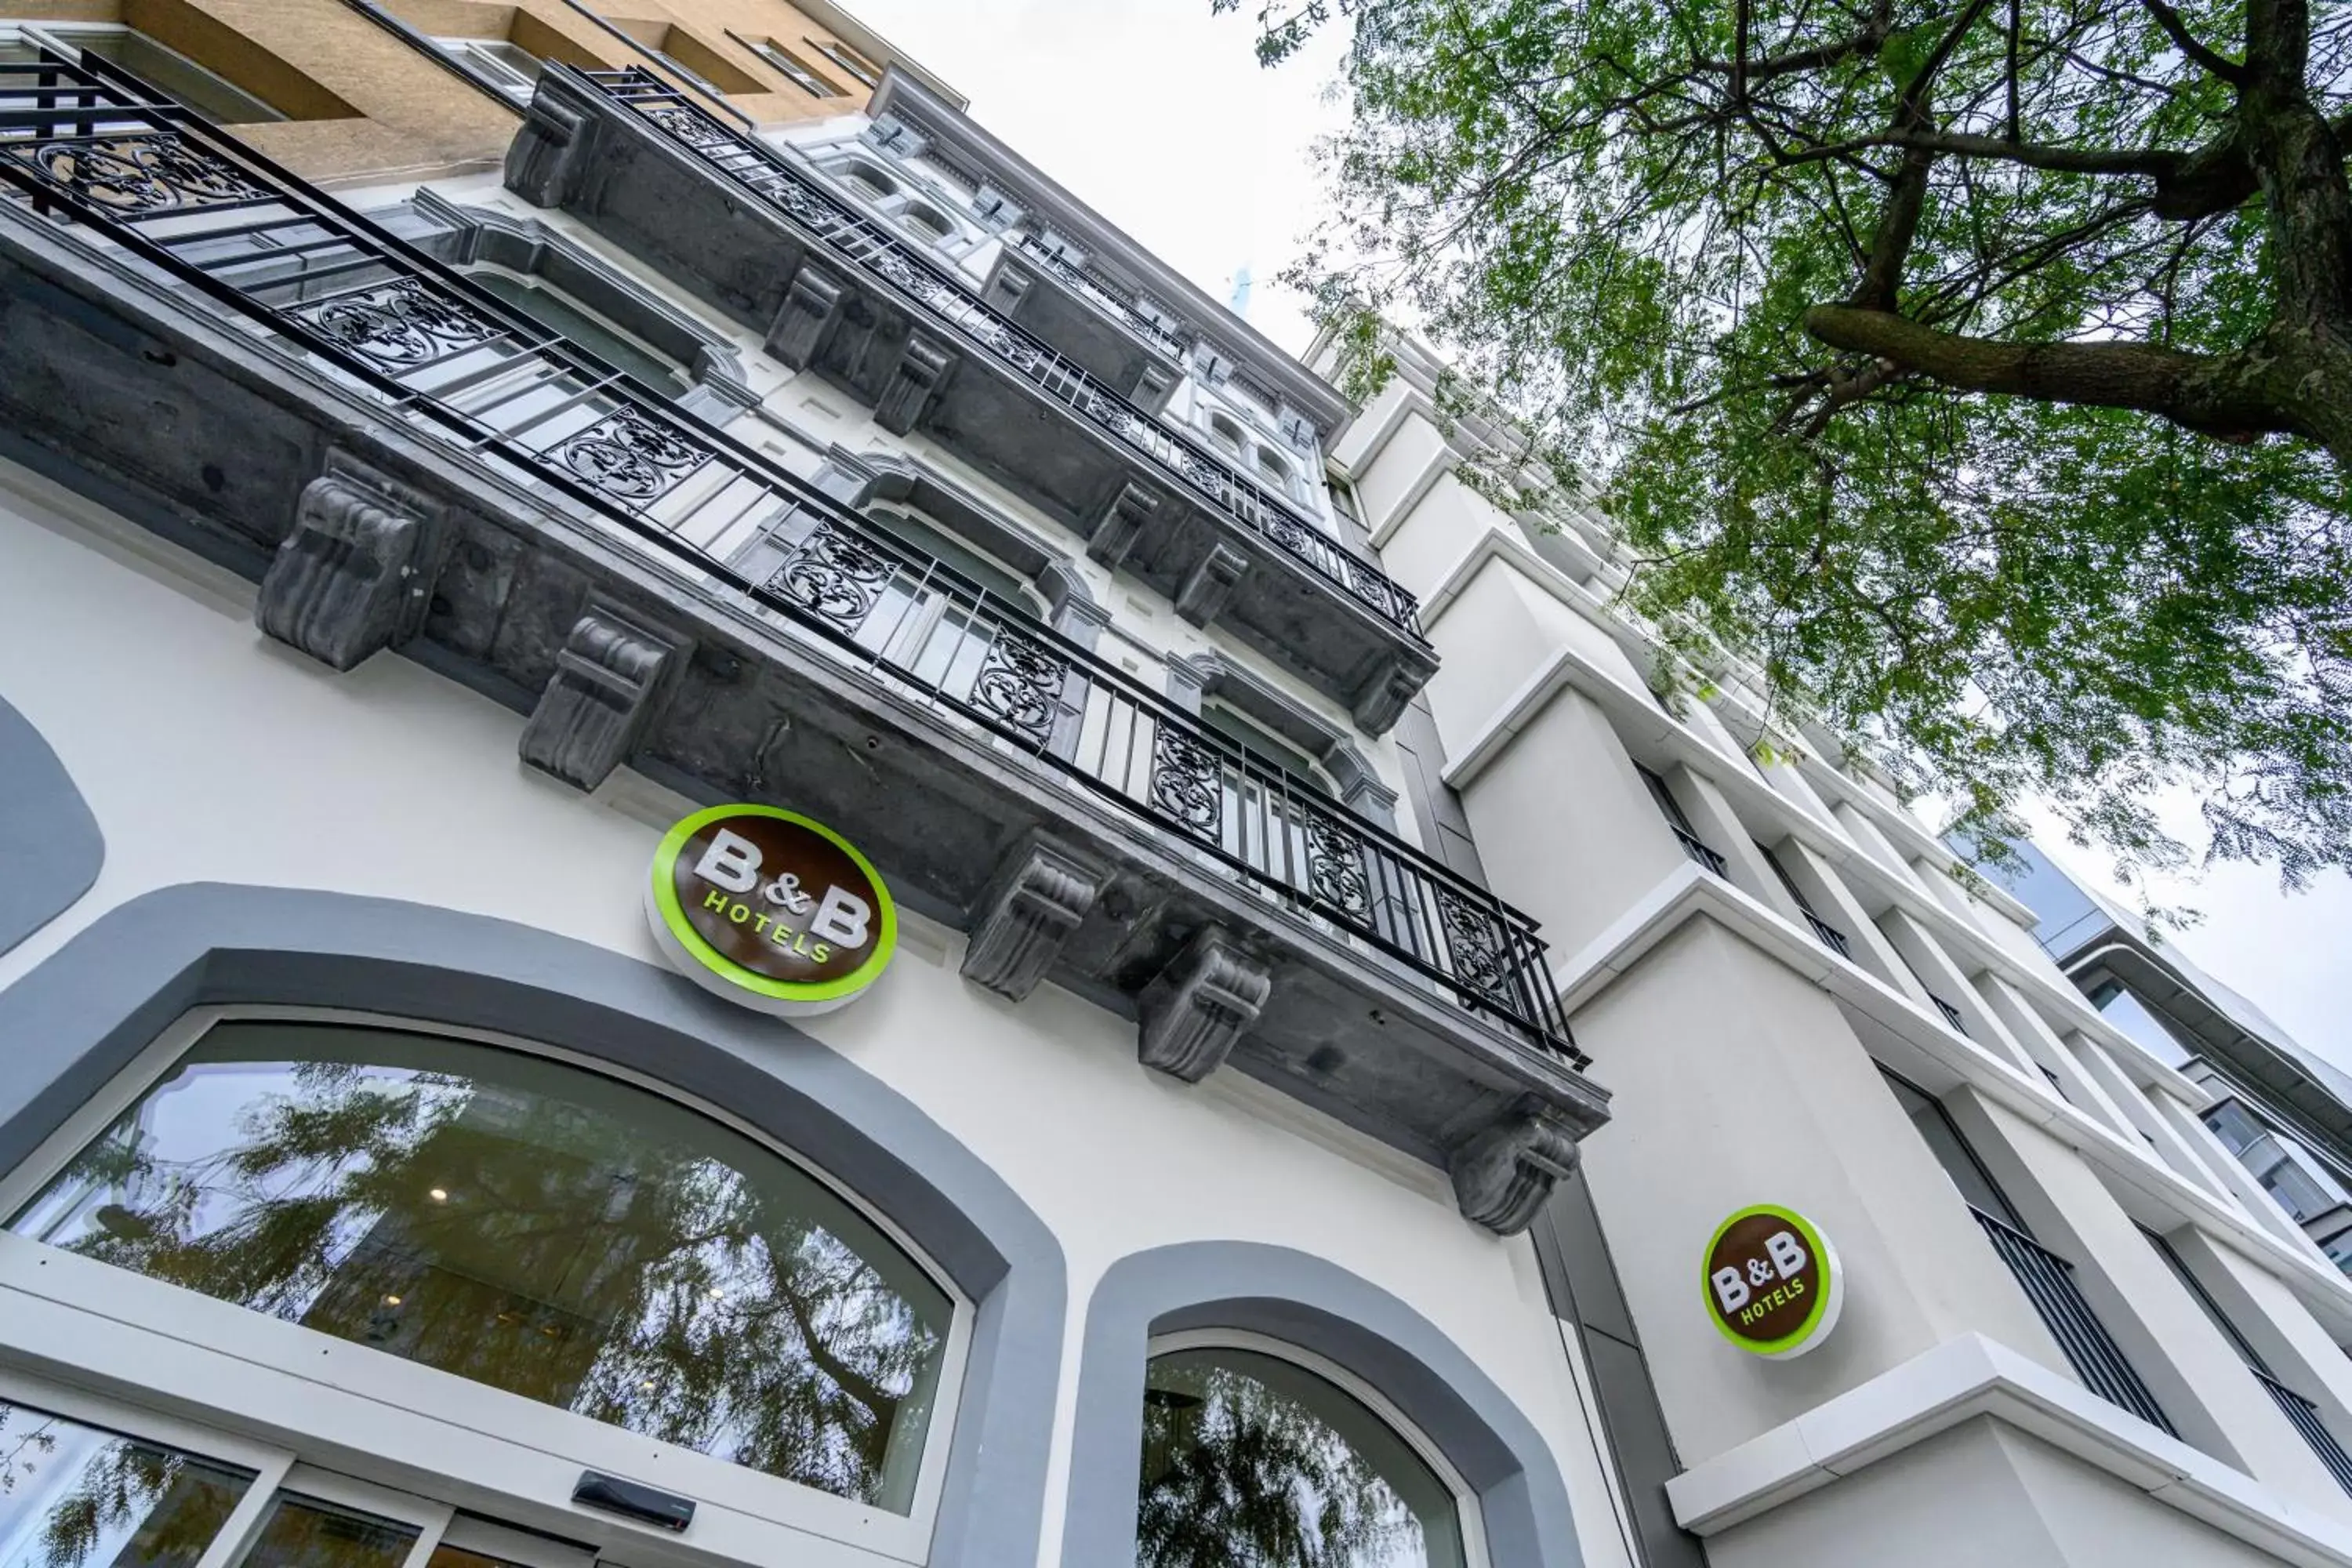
(544, 161)
(1504, 1175)
(1123, 522)
(1042, 893)
(1381, 700)
(914, 381)
(812, 304)
(1199, 1005)
(603, 691)
(1210, 583)
(1007, 287)
(355, 572)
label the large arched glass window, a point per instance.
(530, 1224)
(1254, 1458)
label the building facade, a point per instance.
(2282, 1110)
(483, 490)
(2073, 1328)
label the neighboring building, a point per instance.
(2285, 1112)
(2074, 1330)
(680, 415)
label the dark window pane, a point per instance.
(559, 315)
(529, 1225)
(75, 1497)
(1251, 1459)
(302, 1533)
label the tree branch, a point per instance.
(2176, 29)
(2225, 395)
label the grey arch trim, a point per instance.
(1320, 1307)
(1211, 674)
(81, 1015)
(50, 845)
(462, 235)
(860, 480)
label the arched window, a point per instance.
(1277, 471)
(1227, 432)
(532, 1226)
(559, 313)
(870, 182)
(927, 224)
(1255, 1454)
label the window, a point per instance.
(2235, 1125)
(73, 1494)
(208, 92)
(1226, 432)
(1277, 471)
(1828, 934)
(558, 313)
(928, 223)
(1698, 850)
(507, 67)
(848, 59)
(871, 183)
(530, 1225)
(794, 69)
(1252, 1457)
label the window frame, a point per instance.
(480, 60)
(65, 33)
(779, 58)
(125, 1314)
(866, 71)
(1466, 1510)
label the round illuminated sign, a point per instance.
(1773, 1283)
(770, 909)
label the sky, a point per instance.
(1159, 116)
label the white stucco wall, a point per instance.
(209, 752)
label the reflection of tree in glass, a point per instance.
(1238, 1475)
(569, 1239)
(162, 1507)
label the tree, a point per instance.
(1982, 370)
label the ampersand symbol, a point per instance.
(1759, 1272)
(786, 891)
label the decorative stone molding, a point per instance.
(1503, 1176)
(1123, 521)
(811, 301)
(1008, 284)
(355, 572)
(1381, 700)
(1040, 895)
(595, 705)
(548, 153)
(1198, 1007)
(1071, 607)
(914, 381)
(1202, 597)
(1209, 673)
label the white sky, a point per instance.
(1159, 117)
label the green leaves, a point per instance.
(1616, 232)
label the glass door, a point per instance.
(84, 1484)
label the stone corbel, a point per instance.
(1504, 1175)
(812, 302)
(544, 161)
(1206, 588)
(603, 689)
(1129, 513)
(1381, 700)
(1199, 1005)
(922, 368)
(355, 572)
(1041, 894)
(1008, 285)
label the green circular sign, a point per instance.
(1772, 1282)
(769, 910)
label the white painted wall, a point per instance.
(209, 752)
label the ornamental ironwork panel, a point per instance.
(401, 323)
(1481, 948)
(1188, 782)
(1020, 683)
(1335, 865)
(147, 172)
(835, 575)
(629, 456)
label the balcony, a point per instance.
(404, 462)
(1105, 335)
(744, 227)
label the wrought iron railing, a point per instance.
(1698, 850)
(852, 236)
(1831, 937)
(2048, 1281)
(1093, 289)
(458, 366)
(2303, 1416)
